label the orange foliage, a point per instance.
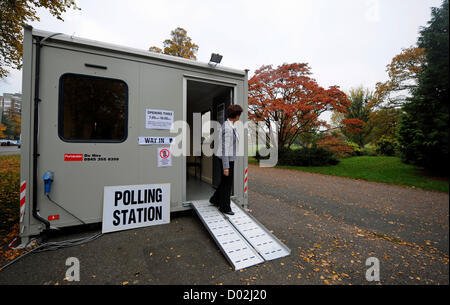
(2, 129)
(403, 71)
(288, 94)
(179, 45)
(353, 125)
(336, 145)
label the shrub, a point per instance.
(386, 146)
(357, 151)
(338, 146)
(314, 156)
(369, 152)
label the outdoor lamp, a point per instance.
(215, 59)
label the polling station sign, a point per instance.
(134, 206)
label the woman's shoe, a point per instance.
(229, 213)
(212, 202)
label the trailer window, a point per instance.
(92, 109)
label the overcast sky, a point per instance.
(346, 42)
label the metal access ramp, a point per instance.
(243, 240)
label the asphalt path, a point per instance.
(9, 150)
(332, 225)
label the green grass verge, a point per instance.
(379, 169)
(9, 192)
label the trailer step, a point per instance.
(243, 240)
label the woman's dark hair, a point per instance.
(233, 111)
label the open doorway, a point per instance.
(209, 102)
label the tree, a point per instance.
(11, 123)
(2, 130)
(15, 13)
(155, 49)
(353, 123)
(359, 109)
(179, 45)
(16, 122)
(390, 96)
(424, 130)
(289, 96)
(308, 138)
(383, 123)
(403, 71)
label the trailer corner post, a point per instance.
(35, 212)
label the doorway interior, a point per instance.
(208, 101)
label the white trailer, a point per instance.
(89, 108)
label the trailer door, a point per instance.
(220, 105)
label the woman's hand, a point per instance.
(226, 172)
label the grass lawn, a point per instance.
(9, 192)
(380, 169)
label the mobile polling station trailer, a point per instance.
(96, 139)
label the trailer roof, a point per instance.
(122, 49)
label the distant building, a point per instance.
(10, 99)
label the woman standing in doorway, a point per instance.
(227, 152)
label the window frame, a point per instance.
(61, 109)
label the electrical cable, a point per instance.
(55, 245)
(51, 246)
(17, 258)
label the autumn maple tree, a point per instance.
(289, 96)
(180, 44)
(15, 13)
(403, 71)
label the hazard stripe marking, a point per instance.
(23, 189)
(245, 180)
(23, 186)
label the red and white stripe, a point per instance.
(23, 190)
(10, 245)
(245, 180)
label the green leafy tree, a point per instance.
(359, 109)
(180, 45)
(15, 13)
(424, 130)
(383, 123)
